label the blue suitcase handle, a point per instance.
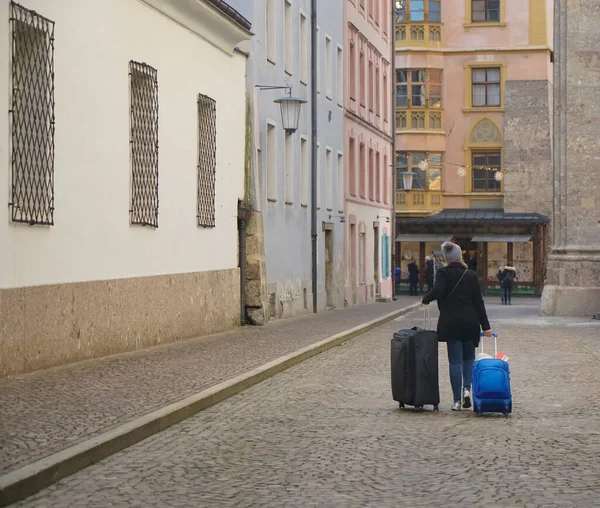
(495, 335)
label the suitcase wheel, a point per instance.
(479, 413)
(436, 408)
(505, 413)
(401, 405)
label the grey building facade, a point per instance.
(280, 55)
(573, 282)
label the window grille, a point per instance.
(207, 160)
(32, 117)
(143, 86)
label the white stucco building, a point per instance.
(280, 55)
(121, 167)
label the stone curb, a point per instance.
(34, 477)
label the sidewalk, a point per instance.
(49, 411)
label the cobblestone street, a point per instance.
(45, 412)
(327, 433)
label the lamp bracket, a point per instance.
(287, 88)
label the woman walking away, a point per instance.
(413, 278)
(509, 274)
(499, 277)
(462, 313)
(429, 272)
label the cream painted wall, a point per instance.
(92, 238)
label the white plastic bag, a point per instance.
(483, 356)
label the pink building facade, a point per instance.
(368, 32)
(473, 98)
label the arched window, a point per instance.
(484, 153)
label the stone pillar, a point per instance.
(256, 277)
(573, 276)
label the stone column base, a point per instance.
(569, 301)
(573, 283)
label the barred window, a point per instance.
(207, 160)
(32, 117)
(143, 87)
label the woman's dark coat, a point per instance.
(509, 282)
(413, 272)
(462, 315)
(429, 272)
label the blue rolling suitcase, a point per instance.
(491, 384)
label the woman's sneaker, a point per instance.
(466, 398)
(455, 406)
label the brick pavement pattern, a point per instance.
(326, 433)
(48, 411)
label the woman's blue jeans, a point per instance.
(461, 355)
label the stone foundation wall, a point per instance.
(46, 326)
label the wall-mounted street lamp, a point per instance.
(290, 107)
(407, 180)
(342, 219)
(387, 219)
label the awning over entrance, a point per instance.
(501, 238)
(423, 238)
(471, 216)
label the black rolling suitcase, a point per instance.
(415, 380)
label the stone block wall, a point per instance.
(256, 277)
(528, 147)
(47, 326)
(573, 285)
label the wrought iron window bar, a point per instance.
(32, 117)
(143, 88)
(207, 160)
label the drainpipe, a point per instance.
(243, 214)
(313, 172)
(394, 168)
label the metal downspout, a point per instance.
(393, 157)
(313, 172)
(242, 263)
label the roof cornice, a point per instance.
(205, 19)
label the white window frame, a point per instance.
(318, 76)
(271, 30)
(271, 134)
(329, 178)
(288, 15)
(328, 67)
(288, 147)
(319, 184)
(304, 170)
(340, 181)
(303, 47)
(340, 75)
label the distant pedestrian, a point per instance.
(462, 316)
(429, 272)
(499, 277)
(413, 278)
(509, 275)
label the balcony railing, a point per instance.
(425, 34)
(419, 119)
(424, 201)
